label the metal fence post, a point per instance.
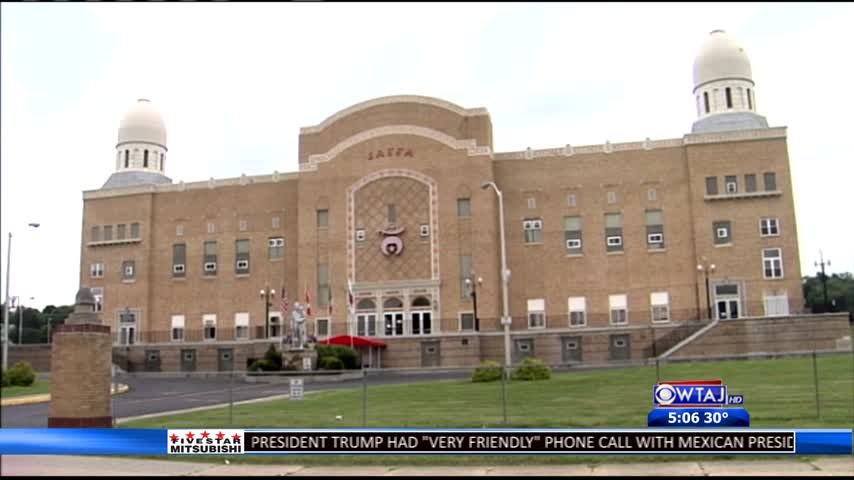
(364, 397)
(231, 398)
(504, 392)
(657, 376)
(815, 381)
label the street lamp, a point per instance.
(822, 264)
(473, 286)
(706, 268)
(505, 273)
(6, 306)
(266, 294)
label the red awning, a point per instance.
(344, 340)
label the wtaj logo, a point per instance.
(204, 441)
(694, 393)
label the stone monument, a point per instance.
(81, 361)
(298, 352)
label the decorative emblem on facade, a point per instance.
(392, 244)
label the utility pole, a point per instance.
(823, 276)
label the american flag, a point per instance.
(307, 301)
(284, 303)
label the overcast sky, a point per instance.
(235, 82)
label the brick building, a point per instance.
(604, 242)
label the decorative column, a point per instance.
(81, 359)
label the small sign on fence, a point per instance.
(296, 389)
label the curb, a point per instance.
(45, 397)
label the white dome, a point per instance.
(721, 57)
(143, 123)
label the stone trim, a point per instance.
(181, 186)
(436, 102)
(81, 328)
(81, 422)
(469, 144)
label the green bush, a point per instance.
(331, 363)
(4, 380)
(348, 357)
(487, 371)
(532, 369)
(272, 360)
(21, 375)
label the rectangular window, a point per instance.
(731, 183)
(321, 328)
(770, 181)
(98, 295)
(776, 305)
(210, 257)
(613, 232)
(772, 262)
(108, 233)
(179, 259)
(728, 97)
(572, 234)
(722, 231)
(177, 328)
(360, 235)
(749, 100)
(96, 270)
(464, 207)
(121, 231)
(533, 229)
(134, 230)
(95, 235)
(711, 185)
(128, 269)
(577, 311)
(242, 256)
(706, 101)
(323, 291)
(660, 303)
(537, 313)
(209, 324)
(750, 182)
(570, 200)
(654, 229)
(466, 321)
(322, 218)
(465, 272)
(276, 247)
(769, 227)
(241, 326)
(618, 307)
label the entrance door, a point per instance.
(727, 301)
(422, 323)
(188, 360)
(430, 354)
(152, 360)
(728, 308)
(571, 349)
(225, 362)
(620, 347)
(393, 323)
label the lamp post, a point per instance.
(822, 264)
(6, 305)
(505, 273)
(473, 286)
(267, 293)
(706, 268)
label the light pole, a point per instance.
(706, 268)
(267, 293)
(20, 321)
(6, 305)
(505, 273)
(473, 286)
(822, 264)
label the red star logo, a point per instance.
(174, 438)
(205, 434)
(235, 437)
(219, 435)
(190, 435)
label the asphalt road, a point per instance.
(150, 393)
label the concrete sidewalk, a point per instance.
(15, 465)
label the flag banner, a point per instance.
(398, 441)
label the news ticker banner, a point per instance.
(214, 441)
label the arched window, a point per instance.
(392, 303)
(706, 100)
(145, 159)
(728, 97)
(127, 158)
(366, 304)
(421, 302)
(749, 100)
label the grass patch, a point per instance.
(778, 393)
(39, 386)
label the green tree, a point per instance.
(840, 293)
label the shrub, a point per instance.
(348, 357)
(487, 371)
(331, 363)
(4, 380)
(21, 375)
(532, 369)
(272, 360)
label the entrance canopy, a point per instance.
(344, 340)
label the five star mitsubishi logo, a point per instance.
(201, 441)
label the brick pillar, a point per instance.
(81, 360)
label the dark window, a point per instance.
(242, 256)
(722, 232)
(209, 266)
(324, 293)
(162, 162)
(127, 158)
(654, 229)
(728, 97)
(750, 182)
(711, 185)
(120, 231)
(323, 218)
(463, 207)
(465, 272)
(749, 100)
(731, 184)
(572, 234)
(614, 232)
(145, 159)
(770, 181)
(96, 234)
(179, 259)
(108, 233)
(706, 100)
(128, 269)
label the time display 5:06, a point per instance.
(697, 418)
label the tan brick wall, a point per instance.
(36, 355)
(80, 379)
